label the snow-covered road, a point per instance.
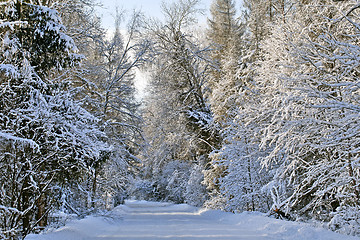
(149, 220)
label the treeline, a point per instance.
(259, 112)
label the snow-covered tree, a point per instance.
(314, 133)
(297, 121)
(47, 139)
(108, 91)
(225, 34)
(238, 177)
(179, 121)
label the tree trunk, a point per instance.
(25, 204)
(94, 190)
(41, 215)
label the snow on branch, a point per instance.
(9, 70)
(5, 24)
(10, 209)
(22, 141)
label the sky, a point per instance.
(151, 8)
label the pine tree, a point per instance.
(225, 34)
(223, 30)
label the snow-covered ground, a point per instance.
(150, 220)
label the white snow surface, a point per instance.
(151, 220)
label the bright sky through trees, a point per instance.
(151, 8)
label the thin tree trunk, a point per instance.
(94, 190)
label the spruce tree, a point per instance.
(225, 34)
(47, 139)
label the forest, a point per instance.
(257, 109)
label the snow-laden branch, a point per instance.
(22, 141)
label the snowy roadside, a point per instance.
(149, 220)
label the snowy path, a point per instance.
(147, 220)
